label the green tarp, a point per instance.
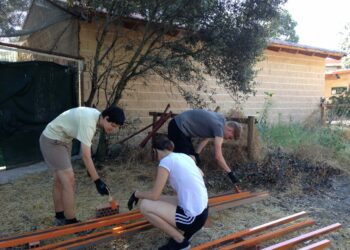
(31, 95)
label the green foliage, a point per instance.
(332, 139)
(263, 116)
(12, 14)
(345, 45)
(294, 136)
(181, 41)
(341, 108)
(282, 135)
(285, 28)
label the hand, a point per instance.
(101, 187)
(233, 178)
(132, 201)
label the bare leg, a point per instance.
(161, 214)
(57, 194)
(64, 192)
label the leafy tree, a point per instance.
(285, 27)
(341, 106)
(12, 14)
(180, 41)
(345, 46)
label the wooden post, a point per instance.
(323, 118)
(250, 137)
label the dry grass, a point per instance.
(27, 203)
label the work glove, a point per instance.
(233, 178)
(132, 201)
(101, 187)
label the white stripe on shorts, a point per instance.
(183, 219)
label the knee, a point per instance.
(144, 206)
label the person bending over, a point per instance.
(55, 144)
(188, 210)
(203, 124)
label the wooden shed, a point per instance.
(292, 73)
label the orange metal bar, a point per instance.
(157, 126)
(98, 237)
(143, 129)
(68, 229)
(113, 235)
(292, 242)
(318, 245)
(221, 202)
(237, 202)
(249, 231)
(268, 236)
(228, 197)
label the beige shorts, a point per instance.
(57, 154)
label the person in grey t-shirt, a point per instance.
(203, 124)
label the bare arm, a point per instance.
(201, 145)
(218, 154)
(154, 194)
(89, 164)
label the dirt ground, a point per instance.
(26, 203)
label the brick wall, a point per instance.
(296, 81)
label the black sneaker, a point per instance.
(174, 245)
(59, 222)
(85, 232)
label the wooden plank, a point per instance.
(250, 231)
(294, 241)
(268, 236)
(250, 137)
(318, 245)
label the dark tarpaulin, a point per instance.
(31, 95)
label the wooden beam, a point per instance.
(250, 137)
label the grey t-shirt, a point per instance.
(201, 123)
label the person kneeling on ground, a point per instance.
(55, 144)
(188, 210)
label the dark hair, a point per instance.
(162, 142)
(114, 114)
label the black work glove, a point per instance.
(233, 178)
(132, 201)
(101, 187)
